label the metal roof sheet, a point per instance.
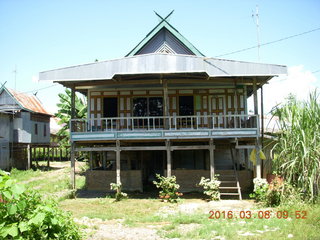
(160, 63)
(27, 102)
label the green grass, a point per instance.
(138, 212)
(272, 228)
(48, 182)
(132, 210)
(141, 212)
(24, 175)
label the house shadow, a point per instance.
(151, 194)
(83, 193)
(44, 168)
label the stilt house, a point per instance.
(166, 108)
(24, 126)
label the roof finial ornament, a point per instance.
(167, 18)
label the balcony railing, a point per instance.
(169, 123)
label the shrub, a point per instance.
(268, 194)
(275, 191)
(25, 215)
(290, 195)
(119, 194)
(169, 188)
(211, 187)
(260, 189)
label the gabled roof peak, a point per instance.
(165, 33)
(25, 101)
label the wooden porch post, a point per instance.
(262, 126)
(258, 160)
(258, 167)
(165, 101)
(60, 154)
(262, 117)
(90, 160)
(29, 156)
(72, 160)
(118, 162)
(168, 145)
(211, 151)
(48, 160)
(72, 153)
(104, 160)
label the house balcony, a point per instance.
(165, 127)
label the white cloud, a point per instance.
(35, 79)
(298, 82)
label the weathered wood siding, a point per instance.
(6, 129)
(219, 101)
(7, 102)
(165, 41)
(4, 155)
(100, 180)
(189, 179)
(31, 128)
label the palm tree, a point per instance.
(64, 113)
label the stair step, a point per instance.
(228, 187)
(232, 194)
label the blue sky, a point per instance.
(43, 35)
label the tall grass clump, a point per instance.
(297, 151)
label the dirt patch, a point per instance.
(98, 229)
(115, 229)
(205, 207)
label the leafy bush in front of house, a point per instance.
(211, 187)
(169, 188)
(268, 194)
(25, 215)
(119, 194)
(275, 192)
(260, 190)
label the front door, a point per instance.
(218, 109)
(110, 110)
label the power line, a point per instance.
(40, 89)
(268, 43)
(35, 90)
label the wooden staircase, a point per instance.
(229, 184)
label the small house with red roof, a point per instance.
(24, 125)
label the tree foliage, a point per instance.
(297, 151)
(64, 113)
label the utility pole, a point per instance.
(256, 17)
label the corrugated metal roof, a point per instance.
(28, 102)
(54, 125)
(159, 63)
